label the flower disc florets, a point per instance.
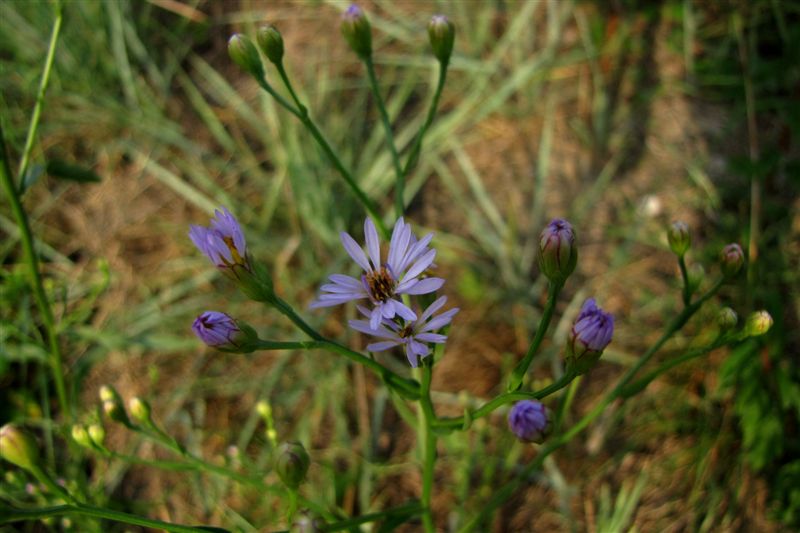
(383, 282)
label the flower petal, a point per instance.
(435, 306)
(373, 243)
(423, 286)
(355, 251)
(381, 346)
(421, 264)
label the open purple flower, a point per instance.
(218, 330)
(530, 421)
(382, 283)
(591, 332)
(222, 242)
(412, 336)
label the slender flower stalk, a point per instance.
(382, 283)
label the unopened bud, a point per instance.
(731, 259)
(727, 318)
(442, 35)
(530, 421)
(81, 436)
(17, 446)
(590, 334)
(558, 254)
(97, 434)
(679, 238)
(109, 394)
(225, 333)
(292, 464)
(757, 323)
(356, 31)
(140, 410)
(270, 41)
(263, 409)
(243, 52)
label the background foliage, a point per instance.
(620, 116)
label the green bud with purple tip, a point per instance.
(243, 52)
(442, 35)
(292, 464)
(679, 238)
(357, 31)
(558, 254)
(731, 260)
(270, 41)
(727, 318)
(17, 446)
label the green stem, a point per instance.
(37, 107)
(305, 119)
(405, 510)
(429, 445)
(413, 155)
(409, 388)
(387, 127)
(504, 492)
(16, 515)
(35, 277)
(515, 381)
(687, 290)
(508, 397)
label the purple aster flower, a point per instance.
(218, 330)
(413, 336)
(591, 332)
(558, 254)
(380, 282)
(222, 242)
(530, 421)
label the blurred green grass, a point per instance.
(583, 110)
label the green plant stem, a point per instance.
(387, 127)
(35, 277)
(499, 401)
(37, 107)
(409, 388)
(405, 510)
(521, 369)
(429, 445)
(687, 290)
(302, 114)
(413, 155)
(16, 515)
(504, 492)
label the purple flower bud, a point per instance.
(732, 259)
(356, 31)
(218, 330)
(558, 254)
(530, 421)
(243, 52)
(591, 332)
(442, 35)
(679, 238)
(222, 242)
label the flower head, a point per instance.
(558, 254)
(218, 330)
(383, 282)
(442, 35)
(19, 447)
(222, 242)
(413, 336)
(591, 332)
(530, 421)
(679, 238)
(357, 31)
